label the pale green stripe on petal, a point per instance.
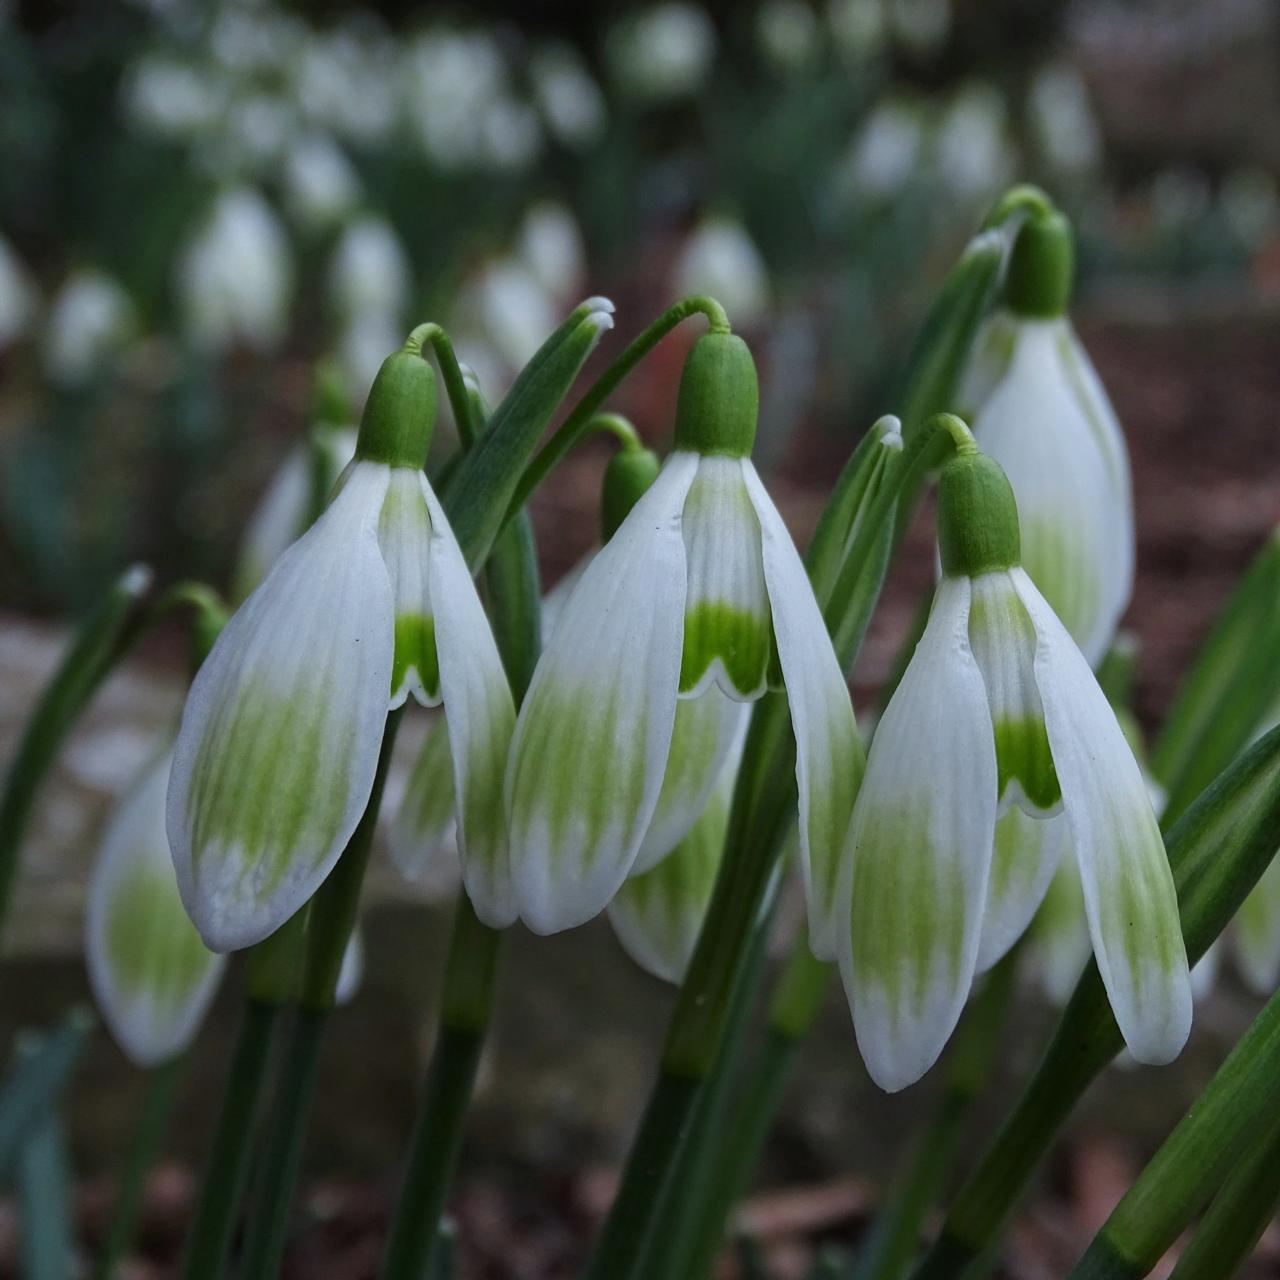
(920, 847)
(594, 733)
(829, 753)
(420, 837)
(404, 534)
(1027, 852)
(1129, 893)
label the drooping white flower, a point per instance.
(700, 586)
(151, 974)
(1064, 123)
(1040, 410)
(90, 319)
(321, 186)
(550, 246)
(173, 99)
(886, 153)
(720, 259)
(571, 102)
(973, 154)
(857, 27)
(505, 308)
(235, 279)
(662, 53)
(17, 296)
(370, 270)
(998, 708)
(282, 730)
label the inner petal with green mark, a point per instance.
(728, 627)
(1004, 645)
(404, 535)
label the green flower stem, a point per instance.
(1241, 1211)
(895, 1238)
(1217, 851)
(616, 425)
(101, 641)
(579, 420)
(44, 1193)
(148, 1137)
(455, 383)
(1017, 203)
(228, 1164)
(1194, 1160)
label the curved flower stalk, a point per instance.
(720, 258)
(281, 733)
(699, 593)
(152, 976)
(998, 709)
(1039, 409)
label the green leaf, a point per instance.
(44, 1190)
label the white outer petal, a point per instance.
(135, 839)
(480, 714)
(920, 848)
(1060, 933)
(829, 754)
(617, 649)
(1128, 888)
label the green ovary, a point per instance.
(153, 947)
(269, 780)
(416, 650)
(1023, 756)
(742, 641)
(909, 909)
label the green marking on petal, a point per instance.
(1023, 757)
(263, 784)
(743, 642)
(912, 916)
(1129, 902)
(152, 946)
(428, 800)
(416, 651)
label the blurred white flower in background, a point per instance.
(922, 25)
(788, 35)
(503, 315)
(1063, 121)
(253, 39)
(719, 258)
(320, 184)
(364, 342)
(347, 83)
(1250, 205)
(571, 102)
(549, 243)
(235, 279)
(370, 270)
(973, 153)
(886, 154)
(661, 53)
(169, 98)
(857, 27)
(18, 298)
(259, 129)
(90, 319)
(1179, 197)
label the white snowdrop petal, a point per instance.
(920, 844)
(593, 735)
(829, 754)
(1026, 854)
(1129, 894)
(480, 714)
(151, 974)
(1060, 932)
(282, 728)
(420, 838)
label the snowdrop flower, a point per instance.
(787, 31)
(320, 185)
(720, 259)
(695, 595)
(370, 269)
(886, 154)
(1063, 119)
(1039, 409)
(235, 279)
(504, 307)
(17, 296)
(974, 157)
(922, 25)
(172, 99)
(151, 974)
(998, 708)
(857, 27)
(89, 319)
(550, 245)
(571, 102)
(282, 729)
(662, 53)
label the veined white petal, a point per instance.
(657, 914)
(1060, 932)
(554, 601)
(593, 735)
(728, 636)
(1065, 460)
(1004, 646)
(481, 716)
(404, 534)
(920, 844)
(829, 755)
(1027, 852)
(706, 733)
(1129, 894)
(1255, 934)
(151, 974)
(281, 732)
(421, 837)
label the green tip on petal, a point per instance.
(719, 398)
(1041, 268)
(400, 413)
(626, 479)
(977, 517)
